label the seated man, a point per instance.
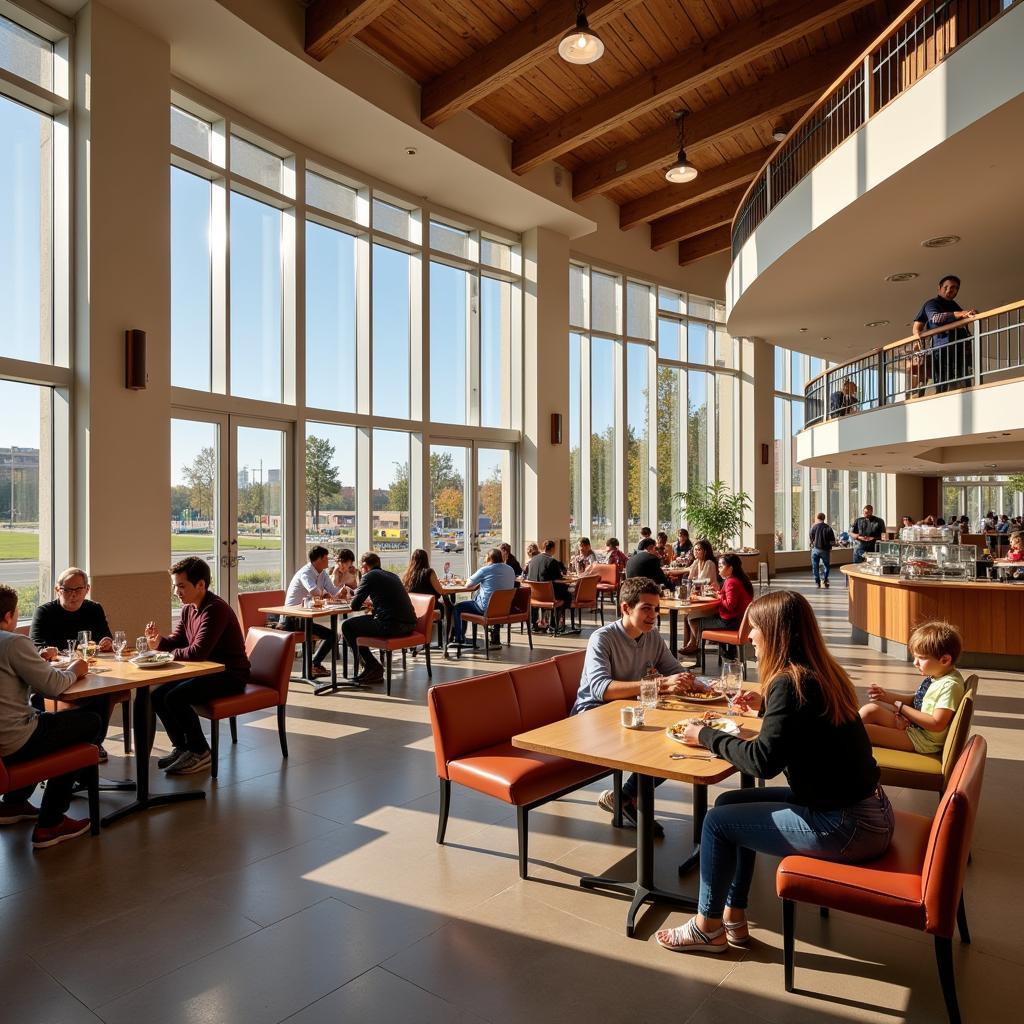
(393, 615)
(585, 555)
(208, 630)
(26, 733)
(613, 554)
(545, 568)
(492, 576)
(312, 580)
(56, 622)
(646, 564)
(618, 656)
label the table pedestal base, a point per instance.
(156, 800)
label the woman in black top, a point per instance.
(833, 807)
(510, 559)
(419, 578)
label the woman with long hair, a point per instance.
(736, 593)
(702, 570)
(418, 577)
(344, 573)
(833, 807)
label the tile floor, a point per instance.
(313, 891)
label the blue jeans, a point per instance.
(473, 607)
(859, 551)
(820, 558)
(746, 821)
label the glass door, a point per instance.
(493, 492)
(229, 487)
(449, 500)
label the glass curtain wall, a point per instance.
(653, 403)
(974, 496)
(266, 240)
(35, 373)
(801, 492)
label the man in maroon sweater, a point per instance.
(207, 631)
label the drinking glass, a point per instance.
(731, 684)
(120, 642)
(84, 639)
(141, 645)
(72, 650)
(649, 692)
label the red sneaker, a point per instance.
(68, 828)
(11, 812)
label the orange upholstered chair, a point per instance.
(609, 579)
(79, 756)
(721, 637)
(271, 653)
(504, 608)
(423, 606)
(917, 883)
(584, 598)
(542, 596)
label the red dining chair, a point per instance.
(84, 757)
(583, 598)
(270, 653)
(423, 606)
(609, 580)
(542, 597)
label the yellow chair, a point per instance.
(910, 770)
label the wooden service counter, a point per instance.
(885, 609)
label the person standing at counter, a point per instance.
(866, 532)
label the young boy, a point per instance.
(920, 721)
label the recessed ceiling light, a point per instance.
(410, 150)
(877, 323)
(906, 275)
(1006, 433)
(803, 330)
(940, 241)
(826, 337)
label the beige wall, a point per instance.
(122, 437)
(758, 428)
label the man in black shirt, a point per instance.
(545, 568)
(823, 540)
(951, 355)
(646, 563)
(393, 615)
(57, 622)
(866, 532)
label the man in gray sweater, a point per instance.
(25, 733)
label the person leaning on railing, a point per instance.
(952, 363)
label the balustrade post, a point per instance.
(880, 372)
(976, 348)
(867, 88)
(768, 188)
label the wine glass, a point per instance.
(731, 684)
(84, 639)
(120, 642)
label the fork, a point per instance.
(693, 757)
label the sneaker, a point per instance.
(606, 801)
(103, 756)
(817, 583)
(168, 759)
(826, 584)
(67, 828)
(319, 672)
(190, 762)
(372, 674)
(17, 810)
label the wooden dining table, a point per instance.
(597, 737)
(308, 617)
(109, 675)
(673, 605)
(451, 588)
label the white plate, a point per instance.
(725, 725)
(152, 662)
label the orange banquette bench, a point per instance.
(473, 722)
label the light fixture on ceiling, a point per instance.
(581, 45)
(682, 170)
(940, 241)
(779, 133)
(877, 323)
(906, 275)
(803, 330)
(826, 337)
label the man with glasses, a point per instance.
(207, 631)
(61, 620)
(393, 615)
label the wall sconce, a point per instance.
(556, 428)
(764, 455)
(135, 360)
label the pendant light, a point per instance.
(580, 45)
(682, 170)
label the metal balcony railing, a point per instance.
(917, 41)
(983, 349)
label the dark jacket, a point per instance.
(827, 766)
(544, 568)
(391, 604)
(209, 631)
(822, 537)
(514, 562)
(53, 626)
(646, 563)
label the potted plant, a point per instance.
(714, 512)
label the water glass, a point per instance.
(649, 692)
(731, 684)
(141, 645)
(120, 642)
(84, 639)
(72, 650)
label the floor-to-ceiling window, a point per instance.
(35, 375)
(360, 326)
(800, 492)
(653, 403)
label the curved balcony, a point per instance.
(984, 349)
(918, 41)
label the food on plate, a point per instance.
(709, 718)
(700, 695)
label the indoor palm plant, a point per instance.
(714, 512)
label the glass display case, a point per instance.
(927, 560)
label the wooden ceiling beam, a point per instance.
(707, 185)
(695, 220)
(329, 23)
(797, 87)
(771, 28)
(496, 64)
(716, 240)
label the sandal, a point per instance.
(731, 928)
(688, 938)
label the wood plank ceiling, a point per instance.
(741, 68)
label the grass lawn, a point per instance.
(17, 545)
(193, 542)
